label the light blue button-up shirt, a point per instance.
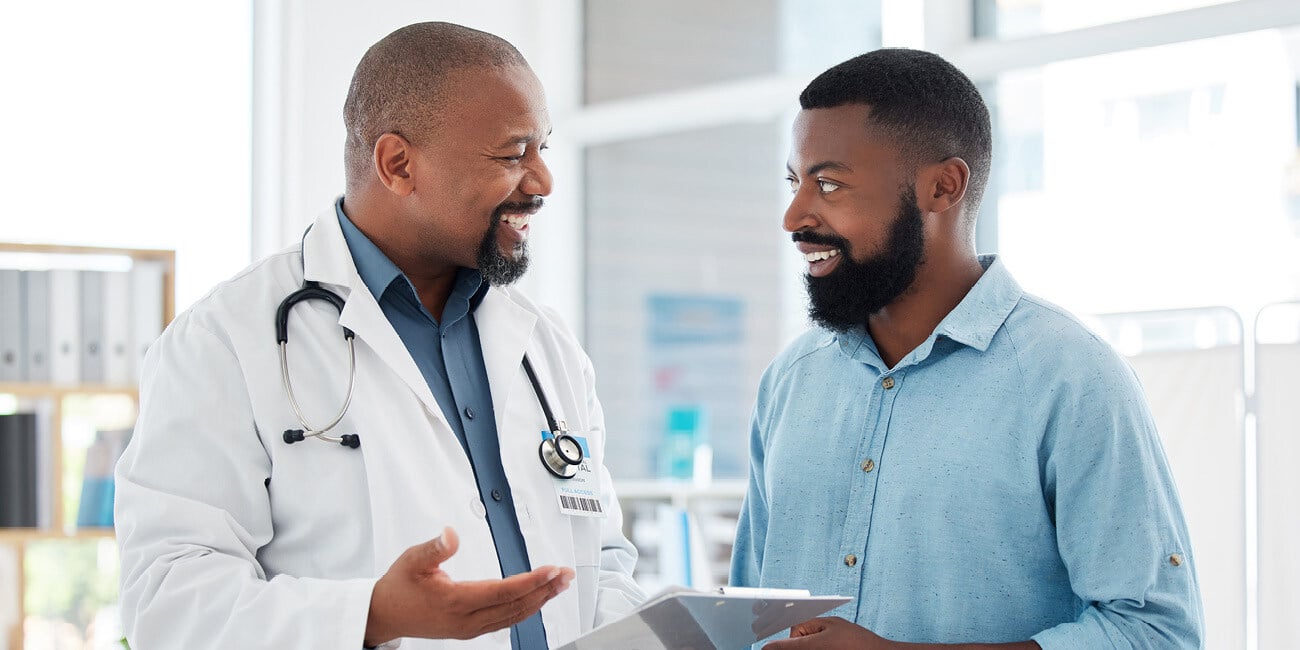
(1004, 481)
(450, 357)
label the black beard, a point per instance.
(854, 291)
(497, 269)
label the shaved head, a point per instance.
(401, 84)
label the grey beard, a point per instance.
(497, 269)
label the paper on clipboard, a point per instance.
(728, 619)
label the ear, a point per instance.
(393, 157)
(941, 185)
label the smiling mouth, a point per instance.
(822, 263)
(517, 221)
(821, 255)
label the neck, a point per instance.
(380, 220)
(940, 285)
(433, 289)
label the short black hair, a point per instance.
(399, 84)
(929, 108)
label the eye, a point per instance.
(827, 187)
(794, 183)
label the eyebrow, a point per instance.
(524, 139)
(824, 165)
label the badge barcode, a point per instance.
(579, 503)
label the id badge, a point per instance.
(579, 496)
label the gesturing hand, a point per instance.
(829, 634)
(416, 598)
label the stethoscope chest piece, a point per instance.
(561, 455)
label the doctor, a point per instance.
(441, 527)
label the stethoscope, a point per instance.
(561, 453)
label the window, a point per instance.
(1019, 18)
(1151, 179)
(128, 125)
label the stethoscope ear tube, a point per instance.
(311, 290)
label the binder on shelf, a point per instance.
(65, 326)
(10, 472)
(722, 619)
(92, 327)
(43, 477)
(36, 326)
(11, 325)
(18, 471)
(30, 477)
(147, 291)
(116, 309)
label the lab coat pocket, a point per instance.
(586, 541)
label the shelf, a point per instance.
(9, 535)
(29, 389)
(59, 249)
(81, 406)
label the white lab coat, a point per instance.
(213, 556)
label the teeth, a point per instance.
(517, 220)
(822, 255)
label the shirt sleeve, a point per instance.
(1120, 528)
(751, 530)
(192, 510)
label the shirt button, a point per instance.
(888, 383)
(496, 495)
(469, 412)
(850, 559)
(868, 465)
(1176, 559)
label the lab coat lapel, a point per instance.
(504, 329)
(508, 330)
(328, 261)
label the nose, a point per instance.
(800, 215)
(537, 180)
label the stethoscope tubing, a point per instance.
(554, 458)
(308, 430)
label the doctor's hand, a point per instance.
(416, 598)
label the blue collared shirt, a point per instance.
(450, 357)
(1004, 481)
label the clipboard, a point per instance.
(729, 618)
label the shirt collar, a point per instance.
(973, 322)
(378, 272)
(984, 309)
